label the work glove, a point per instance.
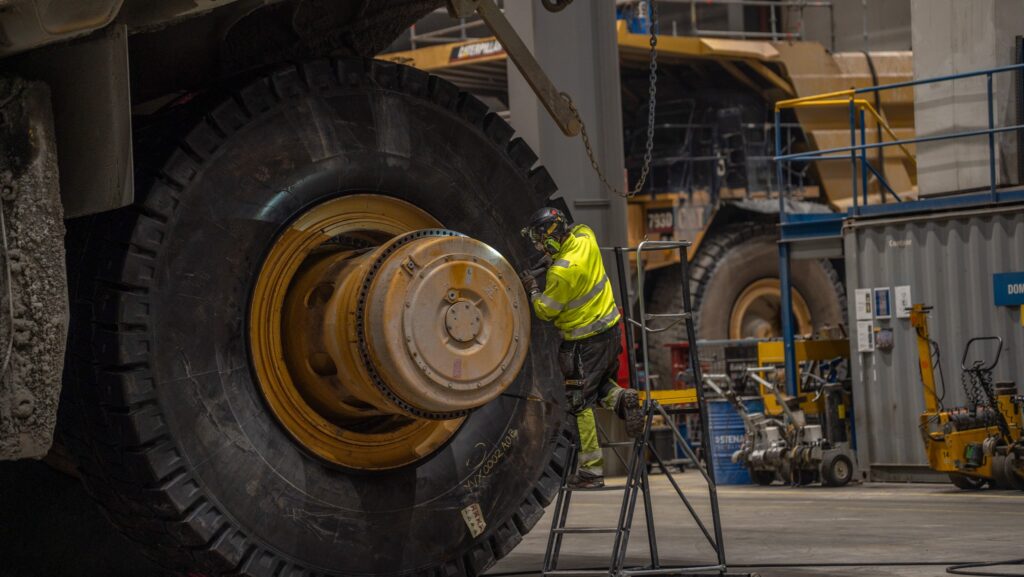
(544, 263)
(529, 283)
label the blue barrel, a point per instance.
(726, 427)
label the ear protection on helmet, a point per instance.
(551, 245)
(546, 230)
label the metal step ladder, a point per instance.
(637, 482)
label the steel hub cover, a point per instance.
(447, 321)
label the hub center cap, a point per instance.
(462, 321)
(374, 333)
(435, 354)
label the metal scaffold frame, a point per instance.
(637, 476)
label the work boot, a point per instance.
(583, 481)
(627, 407)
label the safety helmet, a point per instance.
(547, 229)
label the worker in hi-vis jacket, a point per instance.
(578, 299)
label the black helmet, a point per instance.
(547, 228)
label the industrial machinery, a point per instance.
(712, 180)
(256, 212)
(819, 362)
(983, 442)
(792, 447)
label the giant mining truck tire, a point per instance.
(734, 280)
(175, 437)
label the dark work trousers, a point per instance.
(590, 366)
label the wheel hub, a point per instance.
(756, 312)
(443, 358)
(371, 356)
(466, 329)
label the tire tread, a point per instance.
(131, 465)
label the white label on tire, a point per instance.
(474, 519)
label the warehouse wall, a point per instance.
(949, 37)
(948, 260)
(872, 25)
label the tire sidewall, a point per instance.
(718, 275)
(752, 260)
(303, 151)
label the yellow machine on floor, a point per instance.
(815, 359)
(982, 443)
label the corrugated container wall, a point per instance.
(948, 260)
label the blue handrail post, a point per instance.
(778, 165)
(991, 142)
(853, 155)
(786, 296)
(864, 158)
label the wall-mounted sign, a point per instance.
(883, 303)
(884, 340)
(1008, 288)
(903, 302)
(865, 336)
(862, 303)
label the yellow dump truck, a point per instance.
(256, 213)
(712, 179)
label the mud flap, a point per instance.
(33, 282)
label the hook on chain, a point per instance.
(555, 5)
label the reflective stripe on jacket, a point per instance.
(578, 295)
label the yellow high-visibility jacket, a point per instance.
(578, 295)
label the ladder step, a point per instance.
(653, 316)
(577, 530)
(699, 569)
(601, 488)
(576, 573)
(619, 444)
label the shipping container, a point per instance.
(948, 260)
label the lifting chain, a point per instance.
(972, 383)
(977, 384)
(652, 91)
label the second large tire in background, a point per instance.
(734, 280)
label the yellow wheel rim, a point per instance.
(756, 311)
(373, 331)
(395, 441)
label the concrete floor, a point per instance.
(873, 523)
(64, 534)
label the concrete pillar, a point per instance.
(950, 37)
(578, 49)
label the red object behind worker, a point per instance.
(680, 363)
(622, 378)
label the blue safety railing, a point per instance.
(857, 152)
(796, 227)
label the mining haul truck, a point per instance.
(712, 180)
(272, 284)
